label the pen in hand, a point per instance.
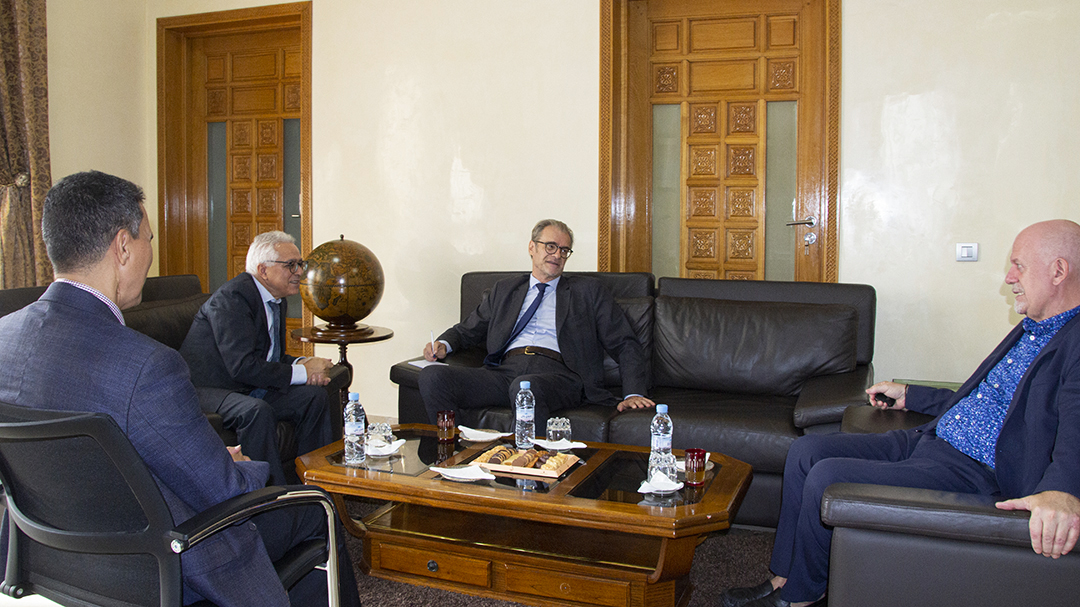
(434, 353)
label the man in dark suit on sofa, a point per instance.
(549, 329)
(70, 350)
(1012, 431)
(236, 351)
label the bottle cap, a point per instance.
(525, 385)
(354, 396)
(661, 408)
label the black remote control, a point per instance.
(888, 401)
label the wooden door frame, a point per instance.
(182, 208)
(625, 217)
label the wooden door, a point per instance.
(247, 70)
(721, 62)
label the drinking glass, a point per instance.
(380, 434)
(695, 466)
(445, 422)
(558, 428)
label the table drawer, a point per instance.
(556, 584)
(442, 566)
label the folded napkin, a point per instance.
(382, 449)
(659, 483)
(465, 473)
(559, 445)
(681, 464)
(477, 436)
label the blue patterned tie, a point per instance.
(495, 358)
(275, 329)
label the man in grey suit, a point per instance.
(70, 350)
(549, 329)
(236, 351)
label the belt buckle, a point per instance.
(529, 352)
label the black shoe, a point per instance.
(737, 597)
(773, 600)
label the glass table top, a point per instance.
(616, 479)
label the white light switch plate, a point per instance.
(967, 251)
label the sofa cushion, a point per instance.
(750, 347)
(166, 320)
(639, 311)
(753, 428)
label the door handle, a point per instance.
(809, 221)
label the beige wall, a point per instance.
(443, 129)
(959, 125)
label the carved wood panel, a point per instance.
(733, 56)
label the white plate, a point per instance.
(666, 488)
(480, 436)
(559, 445)
(385, 450)
(465, 473)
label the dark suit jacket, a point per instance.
(67, 351)
(587, 321)
(1039, 445)
(227, 344)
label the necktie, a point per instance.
(495, 358)
(275, 329)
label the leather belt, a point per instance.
(533, 351)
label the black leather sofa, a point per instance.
(169, 304)
(746, 367)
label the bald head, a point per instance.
(1045, 269)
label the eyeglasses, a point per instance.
(292, 266)
(551, 247)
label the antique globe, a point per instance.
(342, 285)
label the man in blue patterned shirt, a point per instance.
(1012, 430)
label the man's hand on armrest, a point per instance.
(317, 370)
(635, 402)
(890, 389)
(1054, 523)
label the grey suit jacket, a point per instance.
(588, 322)
(227, 344)
(67, 351)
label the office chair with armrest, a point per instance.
(87, 524)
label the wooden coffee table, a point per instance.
(588, 538)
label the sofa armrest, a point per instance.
(924, 512)
(824, 398)
(865, 419)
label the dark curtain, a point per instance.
(25, 176)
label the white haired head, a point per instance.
(262, 249)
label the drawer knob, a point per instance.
(432, 566)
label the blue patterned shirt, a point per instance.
(973, 424)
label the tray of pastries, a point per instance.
(527, 462)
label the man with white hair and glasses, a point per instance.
(236, 351)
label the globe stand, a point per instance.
(341, 332)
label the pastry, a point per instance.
(555, 461)
(526, 459)
(497, 455)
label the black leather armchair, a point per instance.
(897, 547)
(89, 526)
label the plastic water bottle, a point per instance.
(355, 423)
(524, 426)
(661, 459)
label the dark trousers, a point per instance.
(900, 458)
(286, 527)
(255, 422)
(450, 388)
